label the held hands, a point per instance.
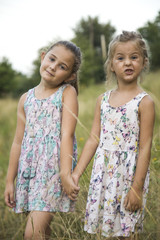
(133, 199)
(9, 195)
(75, 178)
(69, 186)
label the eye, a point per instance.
(134, 57)
(120, 58)
(52, 59)
(63, 67)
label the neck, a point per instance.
(128, 87)
(43, 86)
(44, 91)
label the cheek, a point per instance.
(115, 67)
(40, 69)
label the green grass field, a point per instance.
(70, 226)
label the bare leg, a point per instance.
(48, 233)
(126, 238)
(123, 238)
(38, 225)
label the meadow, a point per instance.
(70, 226)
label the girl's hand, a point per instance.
(133, 200)
(69, 187)
(9, 195)
(75, 178)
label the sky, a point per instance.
(28, 25)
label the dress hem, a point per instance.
(53, 211)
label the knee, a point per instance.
(28, 236)
(32, 236)
(33, 233)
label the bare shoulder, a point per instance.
(22, 100)
(69, 92)
(70, 100)
(99, 99)
(147, 109)
(147, 103)
(70, 89)
(23, 97)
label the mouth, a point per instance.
(52, 75)
(129, 71)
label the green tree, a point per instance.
(21, 84)
(12, 83)
(7, 76)
(88, 36)
(35, 76)
(151, 32)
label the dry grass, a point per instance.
(70, 226)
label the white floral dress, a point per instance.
(38, 186)
(113, 171)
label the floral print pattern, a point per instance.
(113, 171)
(38, 184)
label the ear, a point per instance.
(42, 56)
(72, 77)
(112, 69)
(145, 62)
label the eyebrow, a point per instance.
(120, 53)
(61, 62)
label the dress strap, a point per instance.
(30, 95)
(140, 96)
(61, 89)
(64, 86)
(105, 96)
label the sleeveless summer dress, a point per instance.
(113, 171)
(38, 184)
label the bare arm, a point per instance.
(147, 117)
(15, 153)
(90, 146)
(69, 121)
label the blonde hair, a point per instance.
(126, 36)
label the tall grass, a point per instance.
(68, 226)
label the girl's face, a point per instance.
(56, 66)
(127, 62)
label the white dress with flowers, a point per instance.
(113, 171)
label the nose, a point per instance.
(127, 61)
(53, 66)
